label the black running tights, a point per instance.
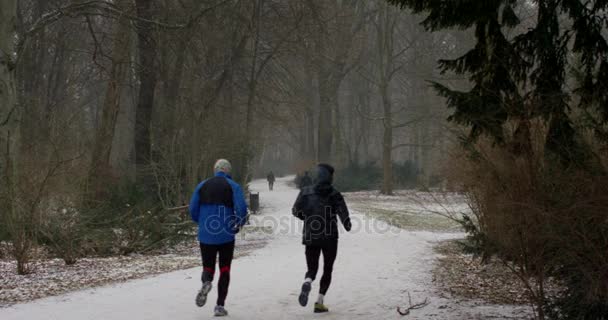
(209, 253)
(313, 252)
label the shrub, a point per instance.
(369, 177)
(4, 235)
(356, 178)
(405, 174)
(544, 221)
(22, 229)
(21, 222)
(131, 221)
(63, 232)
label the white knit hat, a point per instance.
(222, 165)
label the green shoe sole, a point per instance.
(320, 308)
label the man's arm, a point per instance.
(299, 206)
(342, 211)
(195, 203)
(240, 206)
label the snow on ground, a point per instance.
(413, 210)
(415, 202)
(52, 277)
(377, 266)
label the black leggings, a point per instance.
(313, 252)
(209, 253)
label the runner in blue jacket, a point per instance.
(218, 207)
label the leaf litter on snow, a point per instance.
(51, 277)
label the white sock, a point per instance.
(320, 299)
(309, 280)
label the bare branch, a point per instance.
(83, 9)
(8, 116)
(182, 208)
(367, 116)
(409, 123)
(414, 145)
(415, 306)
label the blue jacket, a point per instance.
(219, 209)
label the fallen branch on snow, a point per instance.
(419, 305)
(178, 208)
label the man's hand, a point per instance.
(347, 225)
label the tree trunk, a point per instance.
(325, 133)
(340, 158)
(146, 46)
(8, 87)
(100, 165)
(309, 153)
(385, 33)
(332, 43)
(310, 135)
(172, 96)
(387, 142)
(364, 127)
(10, 215)
(30, 85)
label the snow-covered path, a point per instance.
(375, 269)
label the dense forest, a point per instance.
(106, 103)
(132, 101)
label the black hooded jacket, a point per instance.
(319, 206)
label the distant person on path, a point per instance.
(318, 205)
(218, 207)
(306, 180)
(270, 177)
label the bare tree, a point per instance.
(8, 80)
(146, 46)
(100, 166)
(388, 63)
(8, 110)
(336, 26)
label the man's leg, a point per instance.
(312, 262)
(226, 254)
(330, 251)
(208, 254)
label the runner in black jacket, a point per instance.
(318, 206)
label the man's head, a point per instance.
(324, 174)
(222, 165)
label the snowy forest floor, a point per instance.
(380, 263)
(50, 277)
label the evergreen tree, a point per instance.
(524, 77)
(527, 77)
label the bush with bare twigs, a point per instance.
(62, 232)
(544, 221)
(131, 221)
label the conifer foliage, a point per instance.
(521, 77)
(541, 64)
